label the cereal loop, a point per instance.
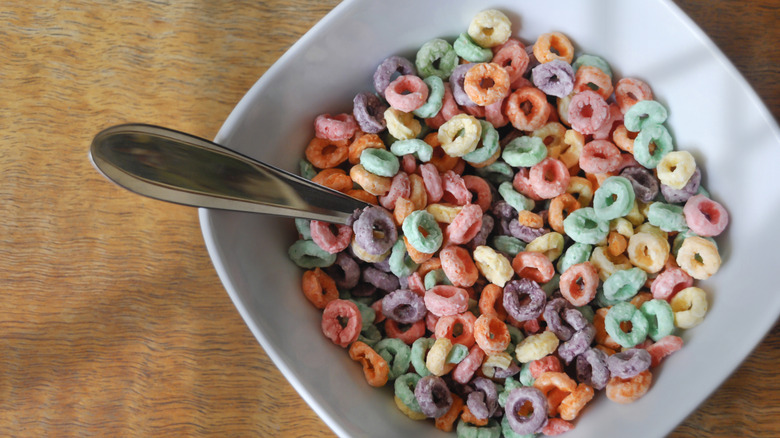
(629, 390)
(319, 288)
(325, 154)
(490, 28)
(406, 93)
(491, 334)
(375, 368)
(458, 266)
(689, 306)
(533, 266)
(527, 109)
(335, 128)
(331, 326)
(551, 46)
(486, 83)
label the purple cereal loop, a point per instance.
(681, 196)
(363, 290)
(592, 368)
(375, 219)
(457, 78)
(369, 111)
(578, 343)
(483, 401)
(554, 78)
(533, 423)
(390, 66)
(383, 265)
(514, 290)
(433, 396)
(511, 370)
(484, 231)
(552, 314)
(502, 210)
(532, 61)
(629, 363)
(643, 181)
(524, 233)
(379, 279)
(574, 318)
(345, 272)
(404, 306)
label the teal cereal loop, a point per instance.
(488, 144)
(433, 105)
(304, 227)
(426, 243)
(436, 51)
(602, 300)
(508, 244)
(624, 284)
(575, 254)
(593, 61)
(367, 313)
(401, 265)
(307, 169)
(380, 162)
(370, 335)
(419, 352)
(515, 336)
(467, 49)
(397, 354)
(660, 318)
(435, 277)
(509, 384)
(680, 238)
(614, 198)
(644, 113)
(525, 376)
(551, 286)
(404, 389)
(703, 191)
(466, 430)
(583, 226)
(524, 151)
(497, 172)
(514, 198)
(308, 255)
(422, 150)
(457, 354)
(668, 217)
(657, 135)
(506, 429)
(622, 312)
(587, 312)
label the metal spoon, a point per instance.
(176, 167)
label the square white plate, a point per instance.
(713, 114)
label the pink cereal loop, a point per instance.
(399, 188)
(331, 327)
(449, 108)
(466, 224)
(549, 178)
(324, 237)
(411, 334)
(579, 284)
(664, 347)
(445, 300)
(406, 93)
(522, 183)
(481, 189)
(605, 131)
(629, 91)
(458, 265)
(335, 128)
(494, 114)
(588, 112)
(600, 156)
(704, 216)
(416, 284)
(430, 322)
(409, 163)
(465, 370)
(455, 188)
(669, 282)
(512, 56)
(432, 182)
(476, 111)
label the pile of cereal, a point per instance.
(534, 236)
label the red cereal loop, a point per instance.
(479, 187)
(458, 265)
(335, 128)
(491, 334)
(465, 370)
(448, 326)
(331, 326)
(600, 156)
(445, 300)
(486, 83)
(466, 224)
(409, 163)
(449, 107)
(416, 284)
(522, 184)
(624, 391)
(556, 426)
(662, 348)
(455, 190)
(549, 178)
(533, 266)
(432, 182)
(669, 282)
(399, 188)
(476, 111)
(512, 56)
(323, 235)
(579, 283)
(318, 287)
(407, 93)
(629, 91)
(527, 109)
(547, 363)
(615, 117)
(377, 306)
(410, 334)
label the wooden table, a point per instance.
(112, 319)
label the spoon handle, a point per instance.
(172, 166)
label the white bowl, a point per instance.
(713, 114)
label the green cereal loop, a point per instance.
(644, 113)
(397, 354)
(524, 151)
(304, 228)
(514, 198)
(370, 335)
(593, 61)
(506, 429)
(436, 50)
(668, 217)
(515, 337)
(435, 98)
(621, 312)
(681, 236)
(583, 226)
(434, 277)
(307, 169)
(380, 161)
(703, 191)
(496, 173)
(509, 384)
(624, 285)
(602, 300)
(575, 254)
(308, 255)
(467, 49)
(587, 312)
(658, 135)
(552, 285)
(422, 150)
(491, 430)
(614, 198)
(457, 353)
(508, 244)
(488, 142)
(367, 313)
(526, 379)
(401, 265)
(345, 294)
(420, 349)
(660, 318)
(411, 228)
(404, 389)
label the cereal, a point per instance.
(689, 306)
(698, 257)
(704, 216)
(486, 83)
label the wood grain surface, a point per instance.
(112, 319)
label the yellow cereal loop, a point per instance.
(605, 264)
(550, 244)
(643, 208)
(436, 361)
(492, 361)
(689, 307)
(676, 168)
(622, 226)
(401, 125)
(536, 346)
(573, 142)
(490, 28)
(460, 135)
(583, 189)
(635, 216)
(443, 213)
(648, 251)
(562, 105)
(494, 266)
(698, 257)
(652, 229)
(552, 135)
(362, 254)
(407, 411)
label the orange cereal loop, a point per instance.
(362, 143)
(324, 154)
(440, 159)
(617, 243)
(527, 109)
(469, 417)
(629, 390)
(429, 265)
(530, 219)
(592, 78)
(403, 208)
(607, 350)
(553, 45)
(560, 208)
(363, 196)
(486, 83)
(334, 178)
(596, 179)
(641, 298)
(491, 301)
(375, 368)
(318, 287)
(571, 406)
(491, 334)
(447, 421)
(374, 184)
(602, 337)
(624, 139)
(416, 256)
(418, 196)
(556, 386)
